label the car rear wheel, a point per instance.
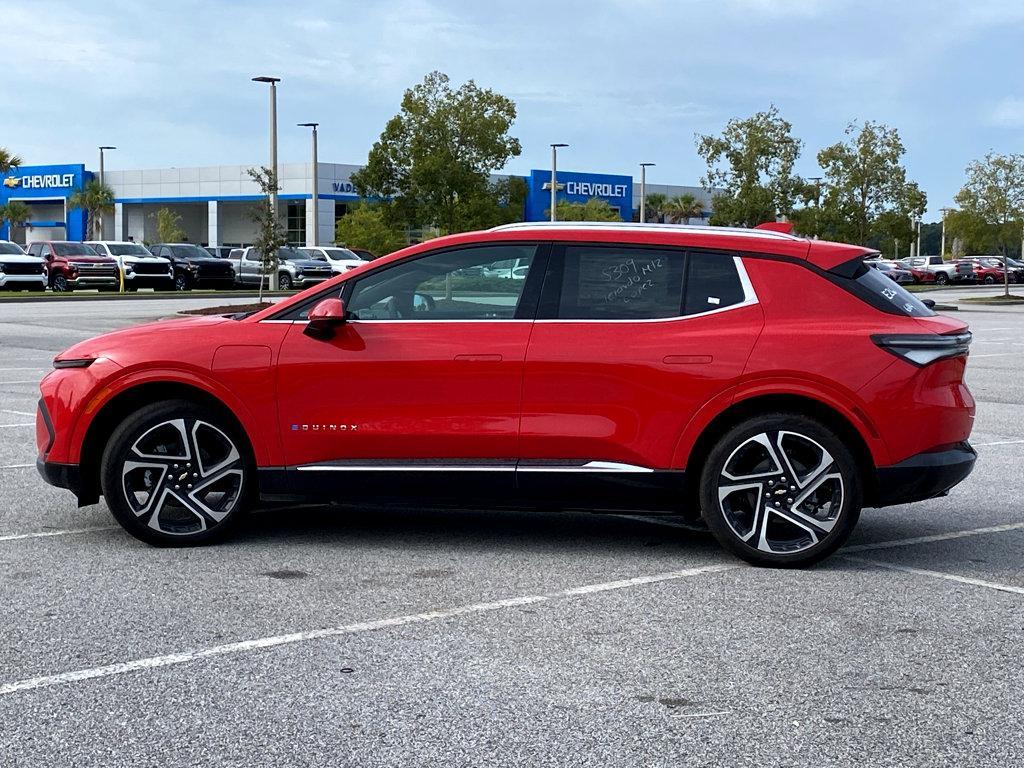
(941, 278)
(176, 473)
(989, 280)
(781, 490)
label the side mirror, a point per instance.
(929, 303)
(324, 318)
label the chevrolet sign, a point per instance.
(41, 181)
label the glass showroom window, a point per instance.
(297, 222)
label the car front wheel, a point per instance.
(181, 282)
(781, 490)
(176, 473)
(284, 281)
(60, 283)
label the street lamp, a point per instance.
(944, 211)
(554, 178)
(100, 216)
(316, 187)
(643, 191)
(273, 155)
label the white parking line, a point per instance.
(939, 575)
(20, 424)
(993, 354)
(54, 533)
(19, 413)
(934, 538)
(14, 467)
(997, 443)
(20, 381)
(255, 644)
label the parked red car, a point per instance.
(72, 265)
(986, 270)
(770, 384)
(919, 275)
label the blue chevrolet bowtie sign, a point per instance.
(38, 184)
(578, 188)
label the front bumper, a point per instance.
(144, 279)
(21, 281)
(94, 281)
(926, 475)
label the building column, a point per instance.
(118, 221)
(309, 223)
(212, 223)
(326, 222)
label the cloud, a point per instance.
(1008, 113)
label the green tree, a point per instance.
(594, 210)
(8, 161)
(655, 205)
(96, 199)
(993, 195)
(366, 226)
(270, 234)
(168, 226)
(434, 159)
(864, 179)
(15, 213)
(752, 161)
(683, 207)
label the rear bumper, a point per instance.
(925, 476)
(66, 477)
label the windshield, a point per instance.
(343, 253)
(10, 248)
(73, 249)
(889, 293)
(188, 251)
(128, 249)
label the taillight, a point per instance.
(922, 349)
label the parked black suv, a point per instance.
(195, 267)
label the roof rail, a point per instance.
(637, 226)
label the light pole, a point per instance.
(100, 216)
(643, 191)
(917, 248)
(316, 188)
(554, 179)
(944, 212)
(273, 159)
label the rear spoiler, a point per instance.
(851, 267)
(785, 227)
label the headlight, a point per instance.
(298, 270)
(193, 268)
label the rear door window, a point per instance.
(612, 282)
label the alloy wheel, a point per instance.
(781, 492)
(60, 283)
(182, 476)
(180, 283)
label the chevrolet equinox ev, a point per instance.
(761, 384)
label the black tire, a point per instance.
(59, 283)
(989, 280)
(941, 278)
(284, 282)
(148, 492)
(181, 282)
(770, 544)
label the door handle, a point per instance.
(686, 360)
(479, 357)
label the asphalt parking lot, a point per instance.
(323, 636)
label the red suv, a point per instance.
(769, 384)
(71, 265)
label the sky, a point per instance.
(620, 81)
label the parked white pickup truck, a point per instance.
(945, 272)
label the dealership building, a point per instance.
(215, 202)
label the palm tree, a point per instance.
(15, 213)
(96, 198)
(8, 161)
(655, 205)
(684, 207)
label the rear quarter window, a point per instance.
(712, 283)
(883, 292)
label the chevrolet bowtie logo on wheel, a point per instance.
(12, 181)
